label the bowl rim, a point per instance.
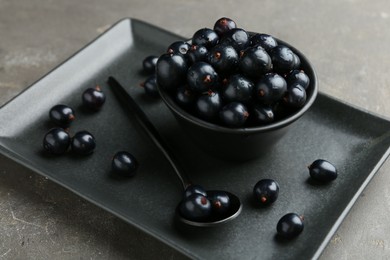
(308, 68)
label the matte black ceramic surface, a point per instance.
(242, 144)
(356, 142)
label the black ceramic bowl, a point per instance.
(245, 143)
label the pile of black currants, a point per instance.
(231, 77)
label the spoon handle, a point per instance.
(128, 103)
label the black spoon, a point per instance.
(131, 106)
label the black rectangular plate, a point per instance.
(355, 141)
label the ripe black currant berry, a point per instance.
(262, 114)
(264, 40)
(150, 86)
(238, 88)
(283, 59)
(171, 71)
(266, 192)
(195, 208)
(201, 77)
(194, 189)
(220, 202)
(83, 143)
(93, 98)
(208, 105)
(206, 37)
(296, 96)
(56, 141)
(223, 25)
(322, 171)
(62, 115)
(255, 62)
(298, 76)
(223, 58)
(270, 88)
(237, 37)
(124, 163)
(179, 47)
(290, 226)
(297, 62)
(234, 114)
(197, 53)
(185, 98)
(149, 64)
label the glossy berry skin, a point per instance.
(234, 114)
(255, 62)
(237, 88)
(205, 37)
(223, 58)
(224, 24)
(194, 189)
(290, 226)
(323, 171)
(220, 202)
(265, 192)
(149, 64)
(297, 62)
(270, 88)
(197, 53)
(296, 96)
(171, 71)
(201, 77)
(298, 76)
(237, 38)
(124, 163)
(178, 47)
(62, 115)
(208, 106)
(150, 86)
(262, 114)
(195, 208)
(283, 59)
(93, 98)
(264, 40)
(185, 98)
(56, 141)
(83, 143)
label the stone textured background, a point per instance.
(348, 42)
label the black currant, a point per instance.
(206, 37)
(262, 114)
(185, 97)
(201, 77)
(322, 171)
(237, 88)
(124, 163)
(298, 76)
(236, 37)
(149, 64)
(179, 47)
(255, 62)
(93, 98)
(283, 59)
(195, 208)
(56, 141)
(264, 40)
(220, 202)
(150, 86)
(270, 88)
(83, 143)
(223, 25)
(296, 95)
(290, 225)
(208, 105)
(194, 189)
(171, 71)
(266, 192)
(62, 115)
(223, 58)
(197, 53)
(234, 114)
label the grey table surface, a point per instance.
(347, 41)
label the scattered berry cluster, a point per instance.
(230, 77)
(58, 140)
